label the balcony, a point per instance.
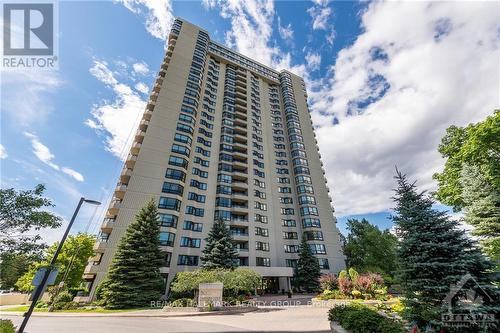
(139, 136)
(239, 208)
(242, 185)
(136, 147)
(125, 175)
(143, 125)
(239, 195)
(107, 224)
(147, 114)
(91, 269)
(114, 207)
(130, 162)
(100, 245)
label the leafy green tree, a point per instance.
(482, 210)
(20, 212)
(308, 271)
(134, 278)
(369, 249)
(478, 145)
(12, 267)
(71, 261)
(433, 254)
(219, 251)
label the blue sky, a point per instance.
(385, 79)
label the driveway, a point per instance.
(276, 320)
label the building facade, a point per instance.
(224, 136)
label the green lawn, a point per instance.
(24, 308)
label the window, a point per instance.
(282, 171)
(290, 235)
(223, 189)
(285, 190)
(193, 226)
(190, 210)
(301, 169)
(261, 246)
(196, 197)
(187, 119)
(168, 220)
(300, 161)
(287, 211)
(291, 263)
(259, 183)
(198, 185)
(317, 248)
(175, 174)
(260, 205)
(307, 199)
(178, 161)
(323, 263)
(169, 203)
(222, 202)
(223, 214)
(283, 180)
(183, 138)
(311, 223)
(291, 248)
(303, 180)
(305, 189)
(298, 153)
(221, 178)
(185, 260)
(259, 194)
(202, 151)
(260, 218)
(185, 128)
(167, 238)
(288, 223)
(190, 242)
(259, 261)
(181, 150)
(262, 231)
(198, 172)
(313, 235)
(307, 210)
(167, 259)
(286, 200)
(259, 173)
(172, 188)
(200, 161)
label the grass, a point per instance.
(24, 308)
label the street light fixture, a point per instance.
(40, 287)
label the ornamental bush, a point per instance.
(328, 281)
(358, 318)
(6, 326)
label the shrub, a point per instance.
(328, 281)
(353, 274)
(6, 326)
(330, 294)
(358, 318)
(345, 285)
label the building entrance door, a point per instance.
(270, 285)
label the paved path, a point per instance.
(275, 320)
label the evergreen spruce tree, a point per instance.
(482, 210)
(134, 278)
(219, 251)
(308, 271)
(433, 254)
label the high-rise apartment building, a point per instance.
(224, 136)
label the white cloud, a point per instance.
(3, 152)
(286, 32)
(43, 153)
(320, 14)
(75, 174)
(141, 87)
(396, 90)
(313, 61)
(25, 95)
(119, 118)
(141, 68)
(158, 15)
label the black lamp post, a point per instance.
(39, 288)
